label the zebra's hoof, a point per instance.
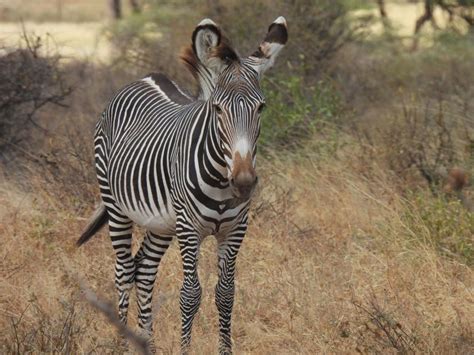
(148, 336)
(151, 346)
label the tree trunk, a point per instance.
(136, 7)
(427, 15)
(383, 12)
(115, 9)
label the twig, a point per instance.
(140, 343)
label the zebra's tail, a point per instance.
(96, 222)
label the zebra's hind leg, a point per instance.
(120, 229)
(225, 289)
(190, 298)
(147, 261)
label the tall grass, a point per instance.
(322, 239)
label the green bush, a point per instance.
(442, 223)
(151, 41)
(358, 4)
(317, 29)
(300, 104)
(297, 112)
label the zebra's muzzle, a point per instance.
(244, 177)
(243, 186)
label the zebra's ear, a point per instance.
(211, 48)
(274, 41)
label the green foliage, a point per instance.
(318, 29)
(358, 4)
(134, 29)
(444, 224)
(147, 42)
(297, 111)
(450, 42)
(466, 2)
(300, 104)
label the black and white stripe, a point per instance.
(177, 165)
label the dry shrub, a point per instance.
(382, 330)
(57, 161)
(422, 144)
(29, 80)
(64, 172)
(422, 141)
(372, 74)
(34, 330)
(421, 149)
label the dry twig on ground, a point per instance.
(106, 308)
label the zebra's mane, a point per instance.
(172, 91)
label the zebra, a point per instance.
(185, 167)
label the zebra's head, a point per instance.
(231, 86)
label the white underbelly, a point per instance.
(164, 224)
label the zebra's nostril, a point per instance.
(244, 181)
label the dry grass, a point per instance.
(327, 266)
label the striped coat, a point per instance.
(183, 166)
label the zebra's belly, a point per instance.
(163, 224)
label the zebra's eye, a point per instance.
(218, 109)
(261, 108)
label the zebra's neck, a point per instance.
(206, 81)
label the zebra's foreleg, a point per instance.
(228, 249)
(147, 261)
(190, 297)
(120, 228)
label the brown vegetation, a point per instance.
(321, 246)
(28, 81)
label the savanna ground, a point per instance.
(361, 234)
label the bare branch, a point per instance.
(30, 79)
(106, 308)
(382, 11)
(427, 16)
